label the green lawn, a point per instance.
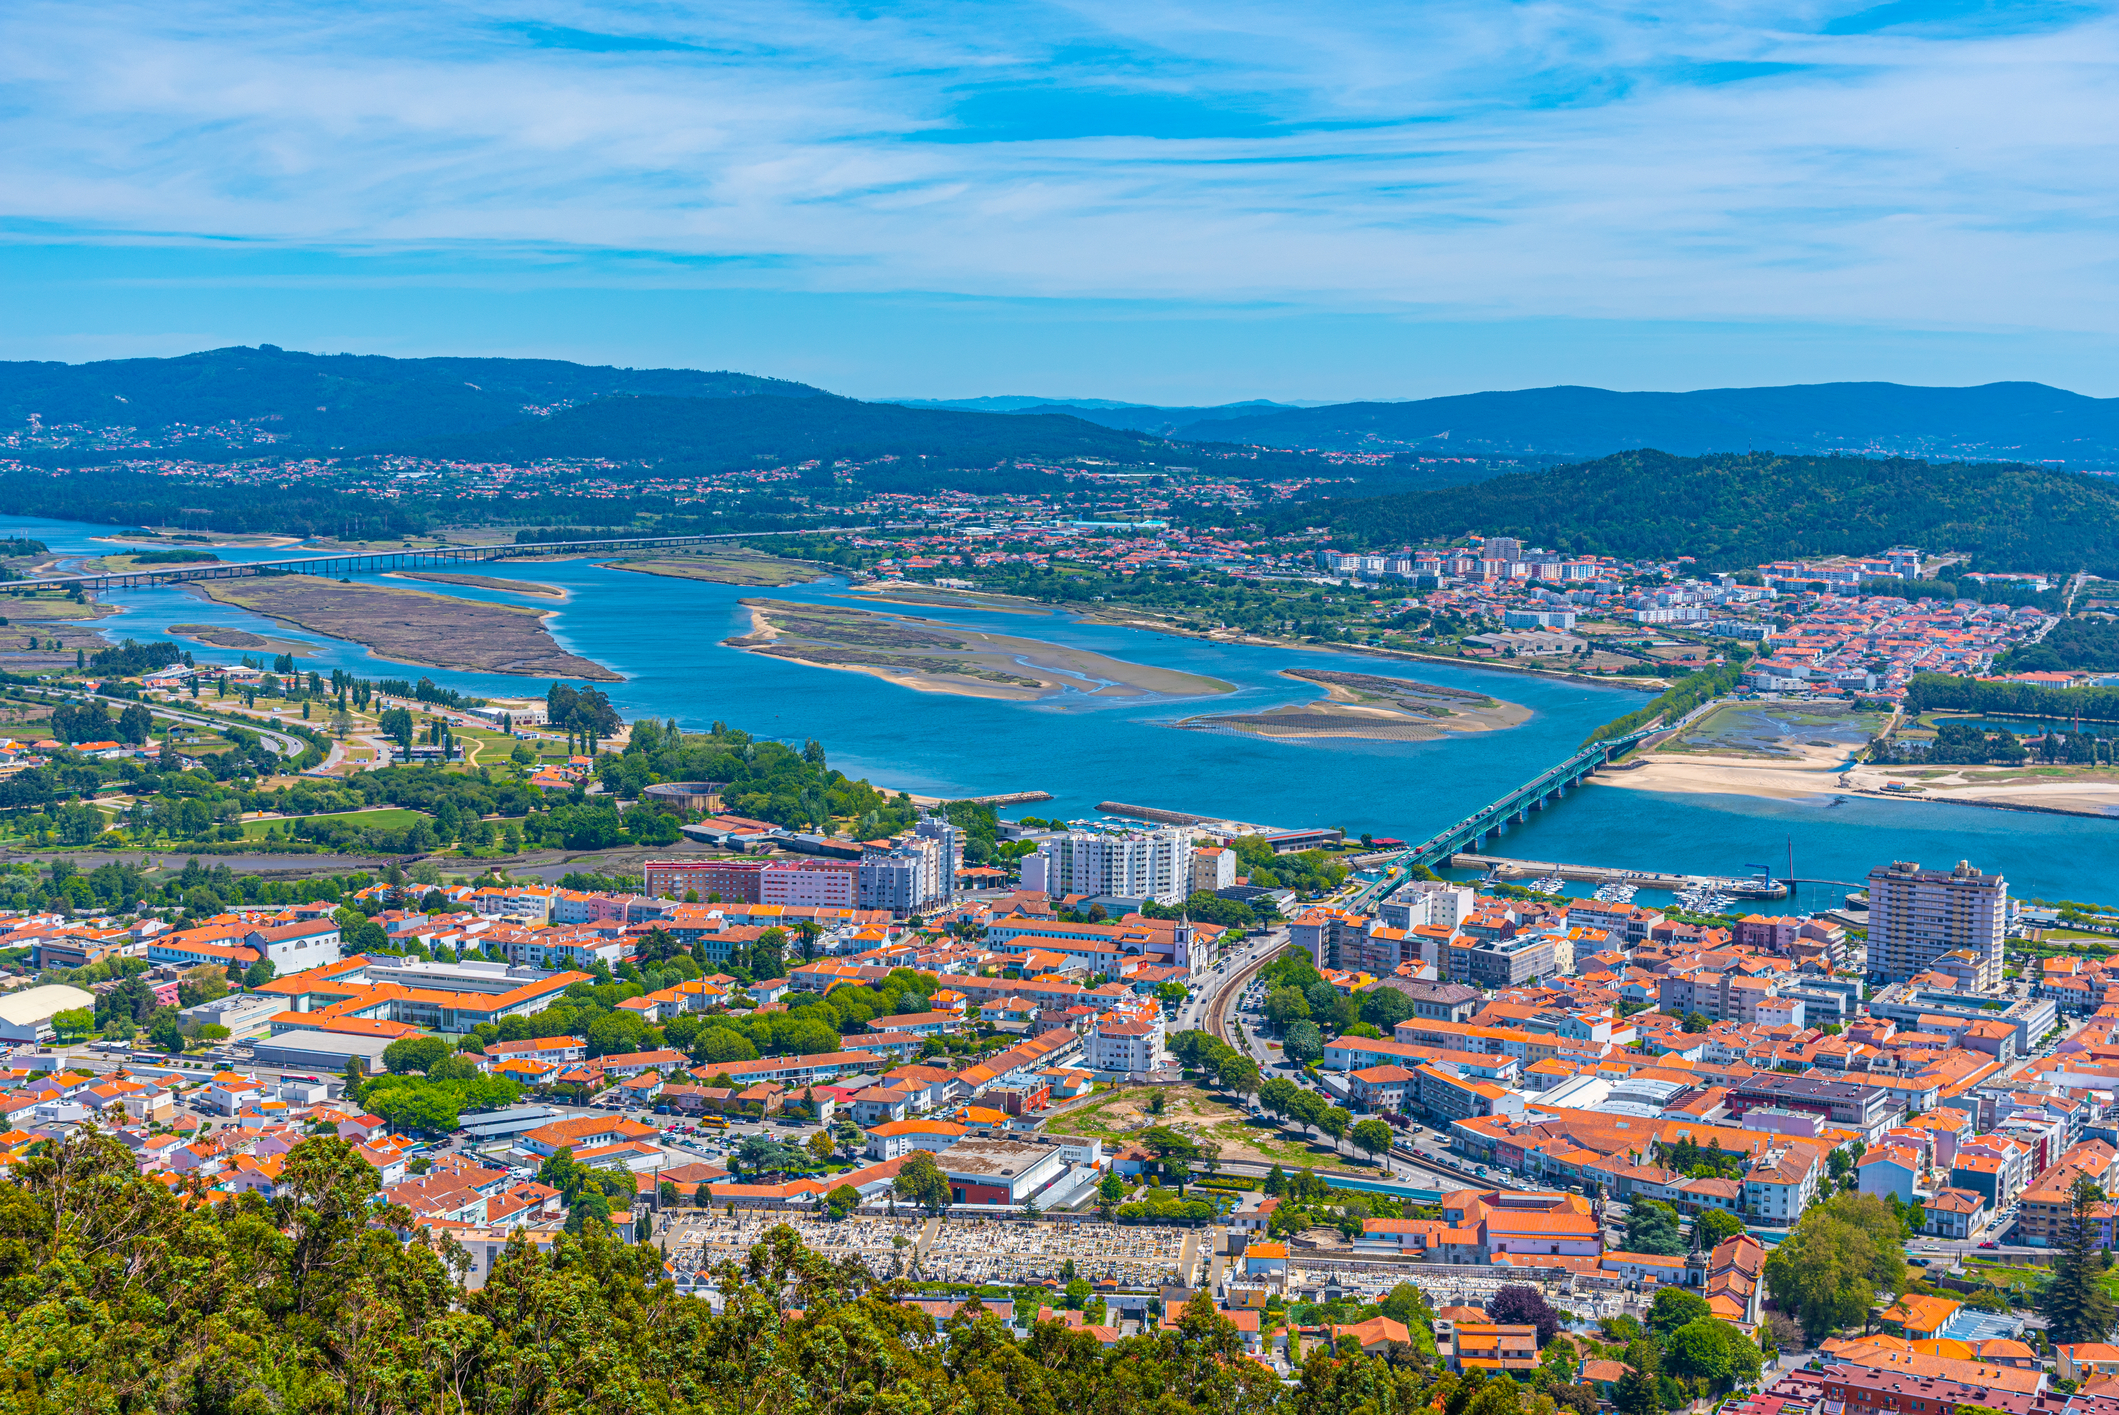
(388, 818)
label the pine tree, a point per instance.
(2075, 1305)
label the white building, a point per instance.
(1154, 864)
(913, 874)
(26, 1016)
(1917, 915)
(1780, 1182)
(1125, 1048)
(1213, 868)
(1428, 901)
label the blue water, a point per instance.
(664, 636)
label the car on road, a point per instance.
(1990, 1243)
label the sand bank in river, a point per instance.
(725, 567)
(938, 658)
(482, 582)
(223, 637)
(910, 592)
(1371, 708)
(413, 626)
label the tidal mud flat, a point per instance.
(937, 658)
(1369, 707)
(413, 626)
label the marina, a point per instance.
(1547, 878)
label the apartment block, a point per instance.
(1916, 916)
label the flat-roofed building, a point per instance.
(1916, 916)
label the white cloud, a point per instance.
(1470, 159)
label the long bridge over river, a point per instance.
(1533, 795)
(370, 561)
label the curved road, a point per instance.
(281, 743)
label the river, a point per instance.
(664, 636)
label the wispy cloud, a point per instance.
(1904, 163)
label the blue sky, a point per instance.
(1167, 202)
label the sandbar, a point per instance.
(726, 567)
(222, 636)
(413, 626)
(481, 582)
(941, 658)
(1371, 708)
(914, 594)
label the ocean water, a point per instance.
(664, 636)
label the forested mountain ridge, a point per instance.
(717, 433)
(1733, 512)
(1992, 421)
(332, 401)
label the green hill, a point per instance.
(1732, 512)
(325, 401)
(713, 433)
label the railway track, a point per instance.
(1218, 1005)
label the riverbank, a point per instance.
(412, 626)
(937, 658)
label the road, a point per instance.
(1218, 1008)
(280, 743)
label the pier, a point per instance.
(1536, 794)
(1505, 867)
(369, 561)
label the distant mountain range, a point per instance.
(1994, 421)
(245, 402)
(335, 401)
(1139, 417)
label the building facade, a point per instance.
(1916, 916)
(1145, 865)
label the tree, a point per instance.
(1385, 1007)
(1652, 1227)
(1521, 1305)
(1285, 1005)
(1714, 1225)
(921, 1180)
(1708, 1349)
(842, 1200)
(1635, 1392)
(74, 1021)
(821, 1147)
(1674, 1307)
(410, 1054)
(1302, 1042)
(1695, 1022)
(1109, 1190)
(1842, 1253)
(2075, 1304)
(1373, 1136)
(259, 973)
(1334, 1122)
(1237, 1072)
(667, 1195)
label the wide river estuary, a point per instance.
(664, 635)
